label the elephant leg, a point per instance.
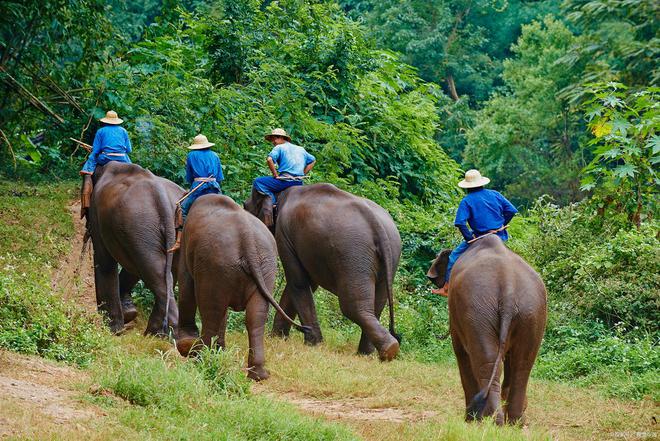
(483, 369)
(468, 381)
(256, 315)
(156, 280)
(366, 347)
(357, 303)
(506, 384)
(106, 281)
(213, 305)
(299, 289)
(127, 282)
(187, 335)
(521, 360)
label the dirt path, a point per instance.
(36, 397)
(355, 409)
(74, 279)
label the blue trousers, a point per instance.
(453, 257)
(187, 203)
(268, 185)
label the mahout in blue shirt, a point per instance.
(291, 159)
(202, 163)
(111, 143)
(484, 210)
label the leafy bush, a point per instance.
(603, 296)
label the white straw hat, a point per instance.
(473, 179)
(200, 142)
(276, 133)
(111, 118)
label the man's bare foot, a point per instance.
(444, 291)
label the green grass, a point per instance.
(35, 231)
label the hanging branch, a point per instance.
(11, 150)
(12, 82)
(89, 121)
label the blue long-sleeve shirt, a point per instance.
(485, 210)
(291, 159)
(111, 143)
(202, 164)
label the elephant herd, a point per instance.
(324, 237)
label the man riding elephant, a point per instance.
(497, 305)
(203, 174)
(131, 223)
(111, 143)
(228, 260)
(485, 211)
(497, 315)
(346, 244)
(288, 163)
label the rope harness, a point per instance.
(504, 227)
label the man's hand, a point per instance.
(309, 167)
(271, 166)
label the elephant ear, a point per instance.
(436, 273)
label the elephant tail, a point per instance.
(478, 403)
(385, 251)
(169, 237)
(255, 271)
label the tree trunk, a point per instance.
(452, 87)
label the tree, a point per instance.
(526, 137)
(626, 148)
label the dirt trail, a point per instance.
(74, 279)
(345, 409)
(34, 387)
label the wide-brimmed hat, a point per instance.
(473, 179)
(111, 118)
(200, 142)
(277, 133)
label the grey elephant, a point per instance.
(131, 223)
(228, 260)
(346, 244)
(497, 315)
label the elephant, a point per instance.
(497, 315)
(131, 223)
(346, 244)
(228, 260)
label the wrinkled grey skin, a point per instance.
(131, 222)
(228, 260)
(497, 314)
(346, 244)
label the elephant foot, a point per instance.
(390, 351)
(258, 373)
(188, 345)
(129, 310)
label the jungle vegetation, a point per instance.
(557, 102)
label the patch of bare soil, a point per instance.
(345, 409)
(74, 279)
(38, 387)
